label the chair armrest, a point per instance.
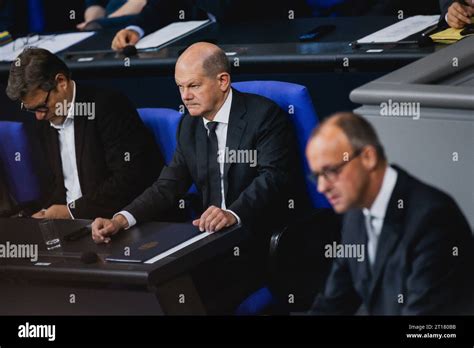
(297, 264)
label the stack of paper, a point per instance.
(170, 33)
(53, 43)
(401, 30)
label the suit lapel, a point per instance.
(391, 231)
(363, 268)
(79, 132)
(388, 240)
(235, 129)
(53, 139)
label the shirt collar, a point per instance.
(379, 207)
(223, 114)
(70, 112)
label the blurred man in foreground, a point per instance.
(406, 247)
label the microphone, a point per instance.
(89, 257)
(129, 51)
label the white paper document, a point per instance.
(178, 247)
(53, 43)
(401, 30)
(169, 33)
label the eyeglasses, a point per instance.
(31, 40)
(40, 108)
(332, 173)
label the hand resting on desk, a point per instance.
(212, 220)
(215, 219)
(103, 229)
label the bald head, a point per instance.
(202, 76)
(358, 131)
(345, 153)
(206, 56)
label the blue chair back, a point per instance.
(296, 101)
(164, 124)
(16, 160)
(321, 7)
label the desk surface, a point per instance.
(70, 267)
(271, 46)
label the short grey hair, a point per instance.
(216, 63)
(357, 129)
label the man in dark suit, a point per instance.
(457, 14)
(406, 248)
(238, 191)
(99, 153)
(239, 151)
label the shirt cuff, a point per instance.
(69, 209)
(136, 28)
(236, 216)
(129, 217)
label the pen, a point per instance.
(430, 30)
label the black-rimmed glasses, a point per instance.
(43, 107)
(331, 173)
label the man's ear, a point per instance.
(62, 81)
(224, 81)
(369, 157)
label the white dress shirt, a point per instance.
(137, 29)
(374, 217)
(67, 148)
(222, 119)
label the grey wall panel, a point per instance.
(427, 148)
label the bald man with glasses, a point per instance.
(417, 246)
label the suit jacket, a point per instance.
(159, 13)
(258, 195)
(415, 272)
(115, 154)
(6, 202)
(444, 6)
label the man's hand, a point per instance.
(94, 25)
(124, 38)
(57, 211)
(215, 219)
(103, 229)
(460, 15)
(82, 26)
(39, 214)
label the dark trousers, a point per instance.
(225, 281)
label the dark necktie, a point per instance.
(214, 174)
(372, 239)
